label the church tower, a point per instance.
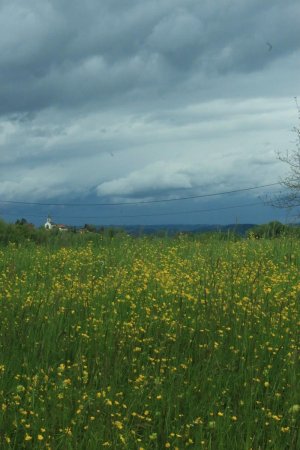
(48, 224)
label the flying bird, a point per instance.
(270, 46)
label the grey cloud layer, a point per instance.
(140, 99)
(66, 54)
(219, 143)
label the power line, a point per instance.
(171, 213)
(155, 215)
(142, 201)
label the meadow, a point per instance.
(150, 343)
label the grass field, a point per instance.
(150, 344)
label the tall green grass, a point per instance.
(150, 344)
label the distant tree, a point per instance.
(268, 230)
(101, 230)
(90, 228)
(291, 183)
(21, 221)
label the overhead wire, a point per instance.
(171, 213)
(141, 201)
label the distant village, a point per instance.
(50, 225)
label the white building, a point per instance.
(49, 225)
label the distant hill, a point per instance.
(173, 229)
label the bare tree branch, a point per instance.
(291, 198)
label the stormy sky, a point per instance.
(118, 101)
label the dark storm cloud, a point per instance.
(70, 54)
